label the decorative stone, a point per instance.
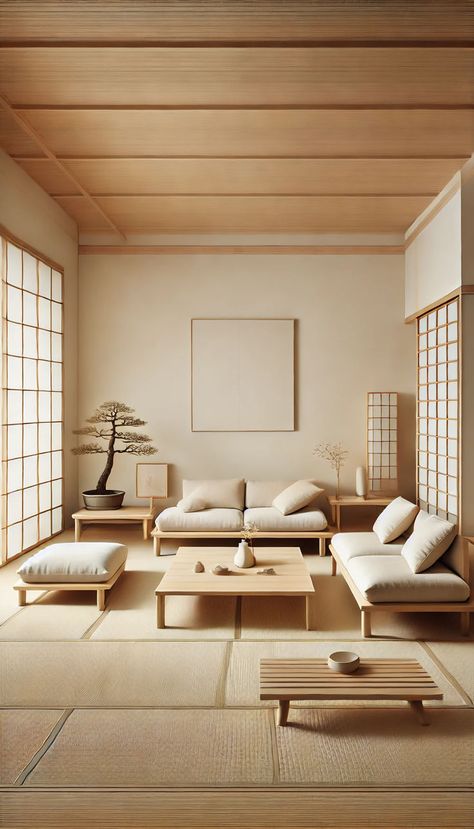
(199, 567)
(219, 570)
(267, 571)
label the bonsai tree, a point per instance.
(109, 423)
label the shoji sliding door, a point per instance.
(438, 411)
(32, 400)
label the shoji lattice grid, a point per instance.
(32, 400)
(438, 412)
(382, 442)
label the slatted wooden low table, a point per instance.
(387, 679)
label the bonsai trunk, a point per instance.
(101, 487)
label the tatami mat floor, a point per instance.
(100, 699)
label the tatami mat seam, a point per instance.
(221, 690)
(50, 739)
(93, 627)
(447, 674)
(274, 745)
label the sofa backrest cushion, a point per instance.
(262, 493)
(394, 520)
(220, 493)
(296, 496)
(428, 542)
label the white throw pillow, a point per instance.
(296, 496)
(427, 543)
(394, 520)
(193, 503)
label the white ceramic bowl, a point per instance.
(344, 662)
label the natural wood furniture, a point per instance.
(125, 515)
(353, 501)
(375, 679)
(458, 561)
(322, 535)
(292, 576)
(99, 587)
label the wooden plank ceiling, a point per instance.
(184, 116)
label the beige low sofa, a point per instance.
(238, 502)
(381, 580)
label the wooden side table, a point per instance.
(124, 515)
(376, 679)
(354, 501)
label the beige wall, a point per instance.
(433, 259)
(134, 336)
(27, 212)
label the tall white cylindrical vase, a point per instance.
(361, 482)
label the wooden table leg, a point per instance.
(160, 610)
(145, 529)
(77, 529)
(283, 709)
(307, 613)
(416, 706)
(338, 516)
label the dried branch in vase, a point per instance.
(336, 455)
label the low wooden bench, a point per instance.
(375, 679)
(100, 587)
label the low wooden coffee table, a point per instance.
(387, 679)
(292, 576)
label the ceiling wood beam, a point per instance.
(330, 43)
(306, 250)
(232, 107)
(32, 133)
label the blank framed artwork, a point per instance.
(242, 375)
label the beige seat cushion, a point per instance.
(174, 519)
(82, 562)
(351, 545)
(270, 519)
(225, 493)
(389, 579)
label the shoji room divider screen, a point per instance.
(32, 399)
(438, 411)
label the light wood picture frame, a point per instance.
(152, 480)
(242, 374)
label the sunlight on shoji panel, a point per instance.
(32, 385)
(437, 411)
(382, 443)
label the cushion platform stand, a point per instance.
(79, 566)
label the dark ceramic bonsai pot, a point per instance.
(111, 499)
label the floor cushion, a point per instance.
(351, 545)
(270, 519)
(80, 562)
(390, 579)
(174, 519)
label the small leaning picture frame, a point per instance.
(152, 481)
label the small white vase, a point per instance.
(361, 482)
(244, 557)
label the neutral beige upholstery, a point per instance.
(225, 493)
(193, 503)
(352, 545)
(80, 562)
(262, 493)
(174, 519)
(296, 496)
(389, 579)
(395, 519)
(428, 542)
(308, 519)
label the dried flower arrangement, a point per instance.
(336, 455)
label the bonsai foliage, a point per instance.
(110, 423)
